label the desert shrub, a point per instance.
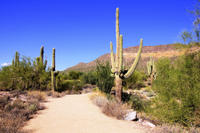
(70, 85)
(115, 109)
(3, 101)
(69, 82)
(109, 107)
(40, 96)
(16, 110)
(173, 129)
(89, 78)
(25, 76)
(74, 75)
(104, 80)
(138, 103)
(100, 101)
(136, 81)
(177, 87)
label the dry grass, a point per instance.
(110, 108)
(17, 108)
(173, 129)
(40, 96)
(56, 94)
(115, 109)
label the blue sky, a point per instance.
(81, 30)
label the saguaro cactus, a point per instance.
(41, 54)
(16, 61)
(53, 80)
(117, 62)
(151, 69)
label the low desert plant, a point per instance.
(16, 109)
(109, 107)
(173, 129)
(40, 96)
(115, 109)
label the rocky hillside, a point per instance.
(171, 51)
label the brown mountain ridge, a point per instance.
(129, 54)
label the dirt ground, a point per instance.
(77, 114)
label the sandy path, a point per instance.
(77, 114)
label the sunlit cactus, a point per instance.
(16, 61)
(41, 54)
(13, 62)
(151, 69)
(117, 62)
(53, 68)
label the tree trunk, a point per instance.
(118, 87)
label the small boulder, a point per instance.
(149, 124)
(131, 116)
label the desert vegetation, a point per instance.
(17, 107)
(166, 91)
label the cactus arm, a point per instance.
(41, 54)
(45, 64)
(16, 59)
(53, 81)
(112, 58)
(53, 60)
(13, 62)
(148, 68)
(117, 39)
(121, 53)
(134, 65)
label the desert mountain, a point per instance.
(159, 51)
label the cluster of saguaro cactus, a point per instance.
(151, 69)
(15, 62)
(53, 68)
(40, 64)
(118, 70)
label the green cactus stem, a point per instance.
(117, 64)
(53, 60)
(53, 80)
(16, 62)
(13, 62)
(117, 39)
(134, 65)
(151, 69)
(41, 54)
(112, 58)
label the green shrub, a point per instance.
(136, 81)
(70, 85)
(138, 103)
(178, 90)
(25, 76)
(74, 75)
(104, 80)
(89, 78)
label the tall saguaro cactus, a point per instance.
(53, 80)
(16, 61)
(151, 69)
(117, 62)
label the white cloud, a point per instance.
(5, 64)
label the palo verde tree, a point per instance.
(117, 69)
